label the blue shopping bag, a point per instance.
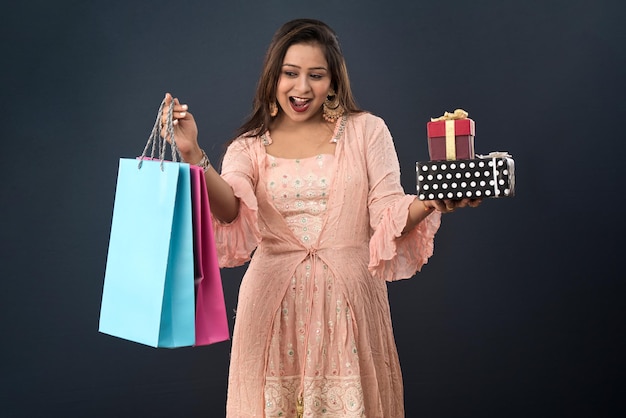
(148, 293)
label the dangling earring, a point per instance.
(273, 109)
(332, 108)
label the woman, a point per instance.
(311, 185)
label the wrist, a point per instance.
(202, 162)
(193, 156)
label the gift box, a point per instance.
(492, 175)
(451, 139)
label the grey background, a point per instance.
(520, 311)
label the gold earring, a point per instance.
(273, 109)
(332, 108)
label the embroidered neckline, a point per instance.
(305, 159)
(340, 127)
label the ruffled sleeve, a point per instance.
(393, 255)
(235, 241)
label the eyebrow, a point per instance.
(312, 68)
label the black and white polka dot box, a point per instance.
(491, 175)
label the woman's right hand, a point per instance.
(185, 129)
(224, 203)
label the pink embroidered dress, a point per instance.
(313, 322)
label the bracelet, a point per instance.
(427, 208)
(205, 163)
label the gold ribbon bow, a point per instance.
(456, 115)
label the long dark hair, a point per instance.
(299, 31)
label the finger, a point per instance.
(450, 204)
(176, 116)
(179, 110)
(178, 107)
(437, 205)
(444, 206)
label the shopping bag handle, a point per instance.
(157, 141)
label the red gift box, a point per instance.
(451, 139)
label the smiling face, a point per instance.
(304, 82)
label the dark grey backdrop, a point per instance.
(518, 314)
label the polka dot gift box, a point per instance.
(490, 175)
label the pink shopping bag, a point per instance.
(211, 321)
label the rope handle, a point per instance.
(157, 141)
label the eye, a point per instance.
(290, 73)
(317, 76)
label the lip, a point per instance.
(300, 107)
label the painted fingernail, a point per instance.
(185, 107)
(183, 114)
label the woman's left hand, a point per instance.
(449, 205)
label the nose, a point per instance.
(302, 84)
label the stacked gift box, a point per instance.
(454, 171)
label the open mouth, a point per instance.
(299, 104)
